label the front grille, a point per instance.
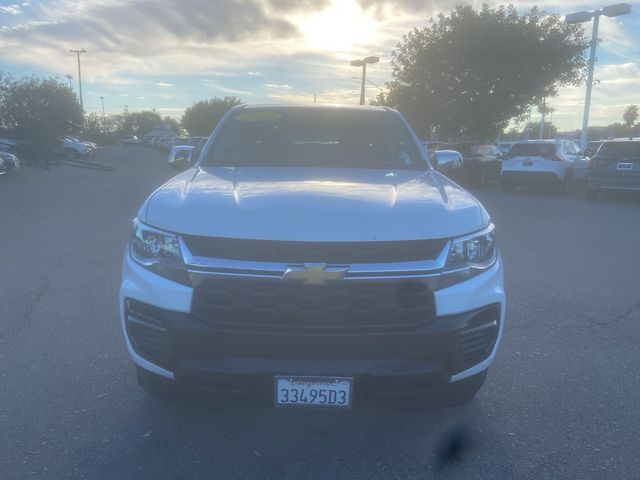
(314, 252)
(476, 340)
(278, 303)
(148, 332)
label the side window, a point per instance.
(576, 148)
(569, 148)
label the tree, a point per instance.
(202, 117)
(468, 74)
(140, 123)
(172, 124)
(532, 130)
(630, 116)
(33, 105)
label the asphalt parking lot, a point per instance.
(561, 400)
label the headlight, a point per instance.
(468, 256)
(159, 252)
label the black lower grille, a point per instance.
(476, 340)
(148, 332)
(273, 303)
(314, 252)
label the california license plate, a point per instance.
(314, 392)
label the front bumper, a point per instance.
(613, 182)
(164, 337)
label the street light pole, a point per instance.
(364, 79)
(582, 17)
(363, 63)
(78, 52)
(544, 101)
(584, 136)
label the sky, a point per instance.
(167, 54)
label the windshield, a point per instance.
(619, 150)
(546, 150)
(306, 137)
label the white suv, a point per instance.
(312, 257)
(74, 148)
(543, 161)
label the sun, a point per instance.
(342, 27)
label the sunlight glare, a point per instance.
(342, 27)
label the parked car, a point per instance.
(592, 148)
(130, 140)
(9, 163)
(543, 161)
(615, 166)
(75, 148)
(329, 266)
(10, 145)
(449, 163)
(482, 161)
(431, 145)
(504, 147)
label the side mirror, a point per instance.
(447, 161)
(181, 157)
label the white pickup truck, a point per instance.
(310, 256)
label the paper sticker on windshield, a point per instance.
(259, 116)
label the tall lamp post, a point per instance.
(363, 63)
(381, 94)
(78, 52)
(582, 17)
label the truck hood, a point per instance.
(305, 204)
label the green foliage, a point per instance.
(33, 105)
(202, 117)
(109, 129)
(613, 130)
(140, 123)
(532, 130)
(630, 116)
(172, 124)
(469, 73)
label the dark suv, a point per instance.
(615, 166)
(482, 161)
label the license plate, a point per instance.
(624, 166)
(527, 163)
(313, 392)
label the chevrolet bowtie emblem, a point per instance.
(314, 273)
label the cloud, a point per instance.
(144, 28)
(277, 85)
(13, 9)
(279, 50)
(618, 87)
